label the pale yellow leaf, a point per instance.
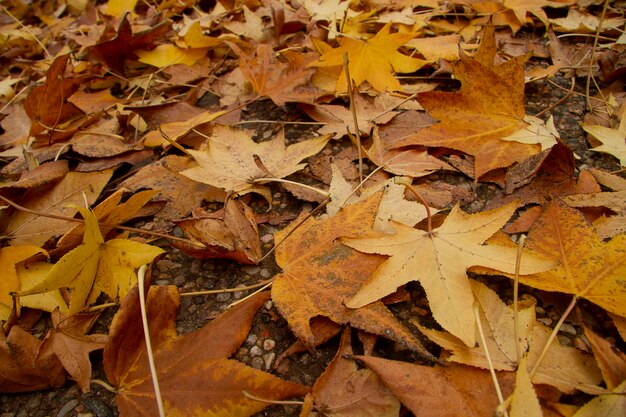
(166, 55)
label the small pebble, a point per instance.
(251, 339)
(580, 344)
(568, 329)
(545, 321)
(178, 232)
(67, 407)
(222, 297)
(265, 273)
(268, 304)
(251, 269)
(179, 280)
(268, 344)
(256, 351)
(268, 359)
(540, 310)
(257, 363)
(267, 238)
(565, 341)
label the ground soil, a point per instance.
(270, 335)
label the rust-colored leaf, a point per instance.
(193, 370)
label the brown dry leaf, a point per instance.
(96, 267)
(374, 60)
(588, 267)
(252, 26)
(16, 126)
(20, 371)
(113, 51)
(320, 273)
(339, 121)
(193, 370)
(441, 391)
(280, 81)
(405, 161)
(179, 192)
(68, 341)
(109, 213)
(344, 390)
(439, 261)
(41, 175)
(229, 160)
(230, 233)
(489, 107)
(60, 199)
(177, 129)
(564, 367)
(47, 104)
(611, 360)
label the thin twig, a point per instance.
(593, 53)
(103, 384)
(355, 120)
(559, 101)
(518, 262)
(297, 184)
(208, 292)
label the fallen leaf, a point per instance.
(252, 27)
(19, 371)
(524, 401)
(609, 405)
(488, 108)
(47, 104)
(96, 266)
(282, 82)
(230, 233)
(439, 260)
(320, 273)
(228, 162)
(563, 367)
(612, 361)
(167, 55)
(440, 391)
(61, 199)
(67, 340)
(113, 51)
(613, 140)
(193, 370)
(374, 60)
(179, 192)
(344, 390)
(588, 267)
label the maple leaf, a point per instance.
(194, 373)
(564, 367)
(344, 390)
(229, 162)
(320, 273)
(281, 82)
(67, 340)
(488, 107)
(116, 50)
(96, 266)
(58, 198)
(588, 267)
(439, 260)
(373, 60)
(613, 140)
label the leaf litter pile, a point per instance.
(457, 254)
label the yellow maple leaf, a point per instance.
(374, 60)
(439, 260)
(613, 140)
(96, 266)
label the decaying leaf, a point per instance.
(439, 260)
(193, 370)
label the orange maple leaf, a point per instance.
(488, 108)
(193, 370)
(320, 273)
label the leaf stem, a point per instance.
(593, 53)
(141, 275)
(483, 343)
(103, 384)
(208, 292)
(355, 119)
(518, 262)
(265, 400)
(429, 217)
